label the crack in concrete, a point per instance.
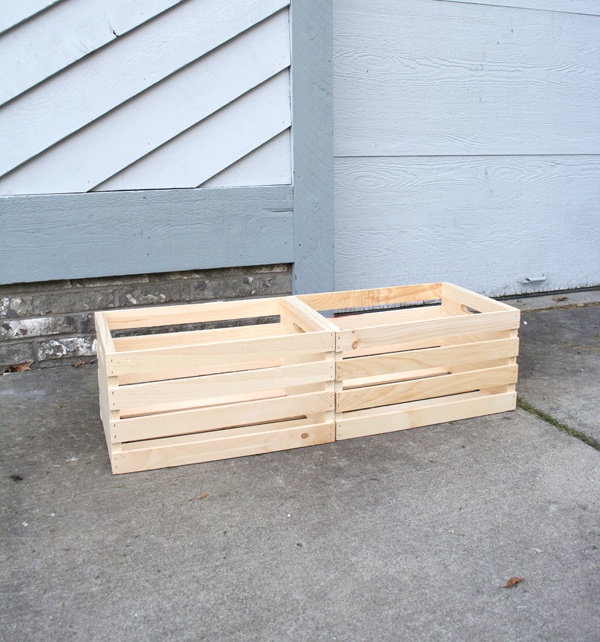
(553, 422)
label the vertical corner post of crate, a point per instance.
(107, 384)
(299, 319)
(491, 337)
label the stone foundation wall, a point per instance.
(53, 322)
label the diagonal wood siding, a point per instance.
(128, 95)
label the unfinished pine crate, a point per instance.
(414, 366)
(173, 398)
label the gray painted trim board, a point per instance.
(312, 144)
(68, 236)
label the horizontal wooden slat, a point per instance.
(222, 353)
(394, 393)
(81, 162)
(76, 236)
(193, 313)
(221, 445)
(218, 417)
(433, 357)
(352, 299)
(379, 379)
(185, 390)
(369, 319)
(376, 423)
(84, 92)
(65, 33)
(167, 407)
(196, 337)
(432, 329)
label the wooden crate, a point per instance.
(415, 366)
(184, 397)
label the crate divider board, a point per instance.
(177, 398)
(400, 368)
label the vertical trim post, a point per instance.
(312, 144)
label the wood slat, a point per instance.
(369, 319)
(219, 354)
(219, 417)
(348, 428)
(81, 162)
(84, 92)
(432, 329)
(352, 299)
(445, 357)
(305, 317)
(17, 11)
(378, 379)
(65, 33)
(193, 313)
(394, 393)
(183, 161)
(192, 404)
(222, 445)
(270, 164)
(186, 390)
(196, 337)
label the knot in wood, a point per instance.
(304, 435)
(355, 345)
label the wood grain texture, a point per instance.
(484, 223)
(65, 33)
(16, 11)
(589, 7)
(84, 160)
(218, 141)
(447, 78)
(217, 417)
(269, 164)
(85, 91)
(89, 235)
(312, 162)
(370, 422)
(237, 442)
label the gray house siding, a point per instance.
(467, 145)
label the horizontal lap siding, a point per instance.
(85, 107)
(483, 222)
(466, 143)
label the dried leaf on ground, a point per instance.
(512, 582)
(79, 363)
(559, 298)
(20, 367)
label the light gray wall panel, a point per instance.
(448, 78)
(72, 236)
(312, 144)
(483, 223)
